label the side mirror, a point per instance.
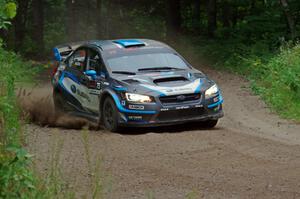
(91, 73)
(57, 55)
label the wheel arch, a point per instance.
(102, 97)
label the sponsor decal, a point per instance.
(199, 106)
(134, 117)
(178, 89)
(98, 85)
(164, 109)
(73, 88)
(94, 92)
(216, 99)
(182, 107)
(106, 83)
(82, 94)
(136, 107)
(123, 102)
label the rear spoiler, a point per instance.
(61, 52)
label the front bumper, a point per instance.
(172, 116)
(159, 114)
(172, 122)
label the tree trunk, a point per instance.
(197, 14)
(253, 6)
(70, 20)
(289, 18)
(212, 18)
(234, 17)
(197, 4)
(226, 14)
(20, 23)
(173, 18)
(37, 34)
(98, 17)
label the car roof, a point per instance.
(127, 43)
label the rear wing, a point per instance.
(61, 52)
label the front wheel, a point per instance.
(209, 124)
(110, 115)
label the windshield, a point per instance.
(146, 62)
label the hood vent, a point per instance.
(131, 81)
(170, 79)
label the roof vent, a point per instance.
(127, 43)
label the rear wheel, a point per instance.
(209, 124)
(110, 115)
(60, 106)
(58, 103)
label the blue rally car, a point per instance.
(132, 82)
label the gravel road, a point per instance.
(251, 154)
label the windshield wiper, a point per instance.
(124, 72)
(159, 69)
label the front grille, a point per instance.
(179, 98)
(180, 114)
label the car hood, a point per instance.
(164, 83)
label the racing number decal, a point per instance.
(98, 86)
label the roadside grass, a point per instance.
(18, 180)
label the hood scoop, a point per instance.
(176, 79)
(131, 81)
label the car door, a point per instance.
(94, 82)
(74, 80)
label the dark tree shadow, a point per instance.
(178, 128)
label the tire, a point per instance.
(209, 124)
(58, 103)
(110, 115)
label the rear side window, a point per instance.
(78, 60)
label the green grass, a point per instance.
(279, 82)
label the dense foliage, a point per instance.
(7, 12)
(16, 179)
(41, 24)
(274, 74)
(15, 176)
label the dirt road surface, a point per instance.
(251, 154)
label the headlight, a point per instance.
(211, 91)
(132, 97)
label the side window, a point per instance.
(78, 60)
(95, 62)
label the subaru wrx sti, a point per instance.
(132, 82)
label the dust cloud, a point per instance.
(37, 107)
